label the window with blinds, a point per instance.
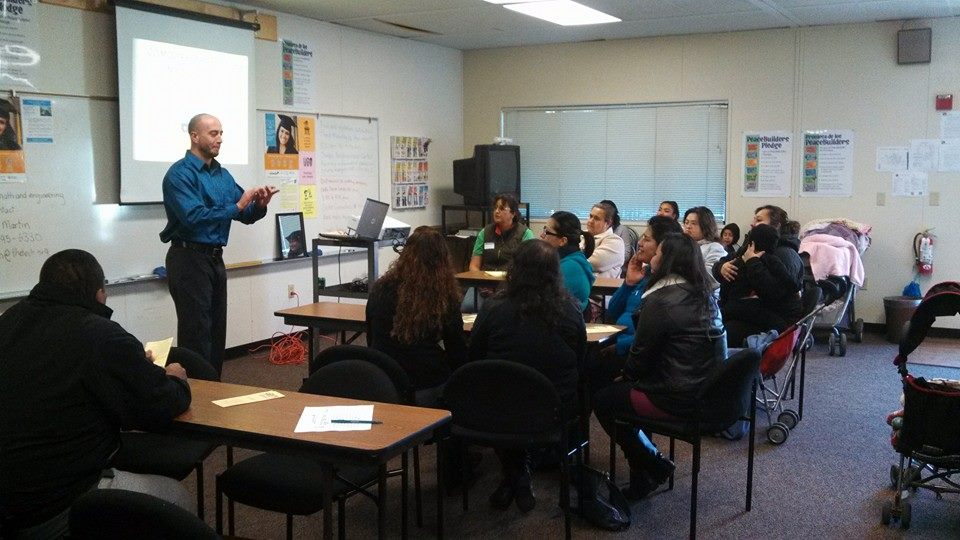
(634, 155)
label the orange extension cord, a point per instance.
(288, 349)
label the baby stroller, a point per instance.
(928, 440)
(833, 249)
(784, 355)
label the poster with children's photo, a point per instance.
(409, 171)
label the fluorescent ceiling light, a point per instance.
(563, 12)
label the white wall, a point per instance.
(412, 88)
(833, 77)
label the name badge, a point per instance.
(487, 246)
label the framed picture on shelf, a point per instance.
(292, 240)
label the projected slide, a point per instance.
(171, 83)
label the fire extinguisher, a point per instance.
(923, 252)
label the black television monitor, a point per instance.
(493, 169)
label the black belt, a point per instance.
(207, 249)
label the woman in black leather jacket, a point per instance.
(679, 342)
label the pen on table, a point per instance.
(343, 421)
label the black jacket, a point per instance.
(679, 342)
(425, 361)
(70, 379)
(502, 333)
(776, 278)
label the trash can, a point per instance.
(898, 309)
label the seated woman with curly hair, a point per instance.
(413, 314)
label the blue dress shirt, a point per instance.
(201, 200)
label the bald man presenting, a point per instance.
(202, 199)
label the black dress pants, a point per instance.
(198, 285)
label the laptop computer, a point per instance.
(368, 226)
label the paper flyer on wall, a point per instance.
(19, 35)
(909, 184)
(13, 165)
(924, 154)
(827, 163)
(37, 120)
(290, 156)
(766, 163)
(892, 158)
(297, 65)
(409, 171)
(949, 159)
(950, 125)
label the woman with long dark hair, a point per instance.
(626, 301)
(284, 140)
(413, 314)
(533, 321)
(700, 224)
(679, 342)
(563, 232)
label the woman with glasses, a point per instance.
(563, 232)
(498, 241)
(700, 225)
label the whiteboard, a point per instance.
(70, 198)
(348, 168)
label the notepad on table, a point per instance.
(469, 318)
(318, 419)
(160, 350)
(495, 273)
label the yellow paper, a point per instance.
(290, 197)
(594, 328)
(160, 350)
(469, 318)
(308, 201)
(306, 128)
(249, 398)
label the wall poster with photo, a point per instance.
(409, 171)
(290, 156)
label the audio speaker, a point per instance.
(913, 46)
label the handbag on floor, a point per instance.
(604, 505)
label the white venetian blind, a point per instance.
(634, 155)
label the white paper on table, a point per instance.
(318, 419)
(495, 273)
(160, 350)
(469, 318)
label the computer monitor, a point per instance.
(493, 169)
